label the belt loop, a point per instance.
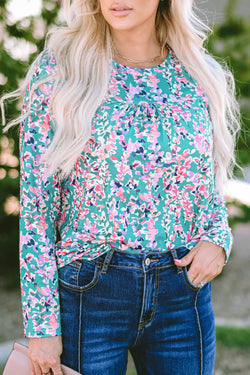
(107, 261)
(174, 255)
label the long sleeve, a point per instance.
(214, 223)
(39, 211)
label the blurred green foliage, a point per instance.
(230, 41)
(233, 337)
(243, 215)
(12, 70)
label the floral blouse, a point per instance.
(144, 181)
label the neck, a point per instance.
(137, 45)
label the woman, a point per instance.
(126, 140)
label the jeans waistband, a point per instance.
(145, 261)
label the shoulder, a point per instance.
(43, 68)
(37, 122)
(39, 84)
(39, 81)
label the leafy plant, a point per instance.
(30, 31)
(230, 42)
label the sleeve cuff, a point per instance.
(48, 326)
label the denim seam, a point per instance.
(144, 323)
(139, 328)
(79, 334)
(114, 265)
(143, 253)
(138, 268)
(77, 271)
(200, 332)
(188, 282)
(160, 267)
(175, 256)
(107, 260)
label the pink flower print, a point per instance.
(113, 86)
(43, 224)
(178, 228)
(22, 291)
(131, 146)
(23, 239)
(175, 114)
(67, 242)
(89, 146)
(113, 137)
(45, 124)
(153, 80)
(182, 130)
(200, 143)
(91, 228)
(98, 189)
(53, 323)
(174, 190)
(154, 133)
(116, 114)
(178, 67)
(147, 197)
(151, 230)
(203, 190)
(136, 164)
(110, 148)
(182, 79)
(201, 93)
(120, 194)
(133, 90)
(43, 291)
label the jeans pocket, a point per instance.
(187, 280)
(79, 275)
(181, 252)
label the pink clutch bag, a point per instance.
(18, 363)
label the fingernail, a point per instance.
(178, 261)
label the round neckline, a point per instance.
(120, 66)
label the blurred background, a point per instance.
(23, 26)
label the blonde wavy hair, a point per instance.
(75, 47)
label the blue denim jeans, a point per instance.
(137, 302)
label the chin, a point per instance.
(122, 25)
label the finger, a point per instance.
(34, 367)
(48, 372)
(206, 265)
(31, 367)
(209, 272)
(56, 368)
(203, 279)
(38, 370)
(203, 273)
(198, 270)
(220, 261)
(194, 273)
(187, 259)
(199, 280)
(215, 267)
(57, 371)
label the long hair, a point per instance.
(75, 99)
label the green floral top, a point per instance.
(144, 181)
